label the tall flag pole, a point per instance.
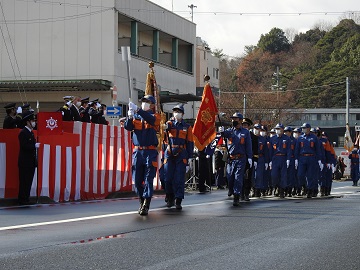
(204, 130)
(348, 143)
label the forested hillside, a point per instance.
(312, 70)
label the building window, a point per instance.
(335, 116)
(204, 55)
(318, 116)
(358, 116)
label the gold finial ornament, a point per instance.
(206, 78)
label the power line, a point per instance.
(291, 90)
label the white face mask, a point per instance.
(178, 115)
(145, 106)
(263, 133)
(78, 104)
(33, 124)
(278, 131)
(296, 135)
(256, 131)
(305, 130)
(272, 135)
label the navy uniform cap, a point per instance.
(306, 125)
(28, 116)
(313, 130)
(86, 99)
(297, 130)
(179, 107)
(247, 121)
(264, 128)
(278, 126)
(237, 115)
(25, 106)
(10, 106)
(148, 98)
(272, 130)
(288, 129)
(257, 126)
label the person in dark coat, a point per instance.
(65, 110)
(219, 154)
(74, 108)
(249, 169)
(84, 110)
(12, 119)
(27, 158)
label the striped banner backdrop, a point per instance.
(100, 164)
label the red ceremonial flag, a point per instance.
(204, 128)
(49, 123)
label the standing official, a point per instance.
(27, 158)
(65, 109)
(280, 155)
(240, 152)
(12, 119)
(75, 108)
(179, 149)
(308, 159)
(354, 165)
(84, 110)
(144, 124)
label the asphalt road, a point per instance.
(209, 233)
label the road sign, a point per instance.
(114, 111)
(357, 128)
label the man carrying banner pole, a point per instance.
(204, 129)
(240, 152)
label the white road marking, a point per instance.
(14, 227)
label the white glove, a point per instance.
(221, 129)
(130, 113)
(190, 160)
(19, 110)
(37, 145)
(69, 104)
(296, 164)
(207, 156)
(287, 163)
(321, 165)
(266, 166)
(270, 165)
(255, 165)
(98, 105)
(250, 162)
(187, 169)
(165, 126)
(328, 166)
(333, 168)
(133, 107)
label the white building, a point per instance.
(55, 48)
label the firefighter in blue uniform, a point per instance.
(308, 159)
(326, 160)
(144, 124)
(354, 165)
(262, 162)
(329, 175)
(291, 172)
(280, 155)
(179, 149)
(267, 172)
(240, 152)
(297, 185)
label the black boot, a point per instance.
(171, 200)
(315, 192)
(236, 200)
(309, 193)
(322, 191)
(281, 193)
(145, 207)
(141, 201)
(178, 204)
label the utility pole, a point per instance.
(347, 100)
(244, 109)
(192, 11)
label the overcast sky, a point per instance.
(231, 32)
